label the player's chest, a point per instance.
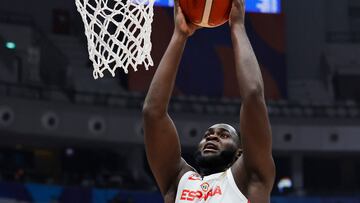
(198, 190)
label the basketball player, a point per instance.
(232, 169)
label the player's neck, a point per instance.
(210, 171)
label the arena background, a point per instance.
(68, 138)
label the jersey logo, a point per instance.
(205, 186)
(192, 195)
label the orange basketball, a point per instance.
(206, 13)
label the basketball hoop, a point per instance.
(118, 33)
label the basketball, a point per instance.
(206, 13)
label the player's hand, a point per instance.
(237, 13)
(182, 26)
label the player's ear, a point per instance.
(238, 153)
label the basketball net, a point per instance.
(118, 33)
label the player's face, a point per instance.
(218, 148)
(216, 140)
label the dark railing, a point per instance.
(342, 37)
(189, 104)
(44, 92)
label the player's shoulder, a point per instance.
(184, 169)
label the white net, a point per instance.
(118, 33)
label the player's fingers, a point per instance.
(179, 9)
(179, 12)
(176, 5)
(239, 3)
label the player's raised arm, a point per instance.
(255, 129)
(161, 138)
